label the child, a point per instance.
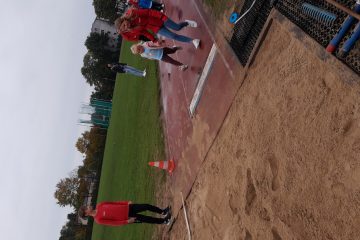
(124, 68)
(157, 51)
(144, 24)
(146, 4)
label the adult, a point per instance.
(124, 68)
(124, 212)
(136, 25)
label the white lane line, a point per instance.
(186, 217)
(200, 86)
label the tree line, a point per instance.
(82, 182)
(95, 69)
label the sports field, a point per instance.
(134, 138)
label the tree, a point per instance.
(106, 95)
(91, 70)
(96, 44)
(83, 142)
(105, 9)
(95, 69)
(72, 217)
(82, 171)
(80, 235)
(72, 230)
(67, 233)
(96, 72)
(66, 191)
(91, 142)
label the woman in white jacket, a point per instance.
(158, 51)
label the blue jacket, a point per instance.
(145, 3)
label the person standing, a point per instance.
(158, 51)
(124, 212)
(124, 68)
(136, 25)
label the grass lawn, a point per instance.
(134, 138)
(218, 7)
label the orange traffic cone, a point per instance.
(166, 165)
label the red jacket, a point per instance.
(112, 213)
(143, 20)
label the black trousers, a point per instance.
(167, 58)
(156, 6)
(135, 209)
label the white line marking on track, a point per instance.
(200, 86)
(186, 217)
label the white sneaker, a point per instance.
(168, 221)
(196, 43)
(178, 47)
(167, 212)
(191, 23)
(183, 67)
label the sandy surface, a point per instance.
(286, 163)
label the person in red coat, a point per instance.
(124, 212)
(136, 25)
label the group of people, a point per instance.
(142, 22)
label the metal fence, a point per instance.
(248, 29)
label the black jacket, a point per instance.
(118, 67)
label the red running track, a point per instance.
(189, 139)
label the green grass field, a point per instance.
(134, 138)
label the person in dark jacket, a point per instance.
(124, 68)
(139, 24)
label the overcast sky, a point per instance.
(41, 52)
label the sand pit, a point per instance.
(286, 163)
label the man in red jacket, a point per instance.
(124, 212)
(136, 25)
